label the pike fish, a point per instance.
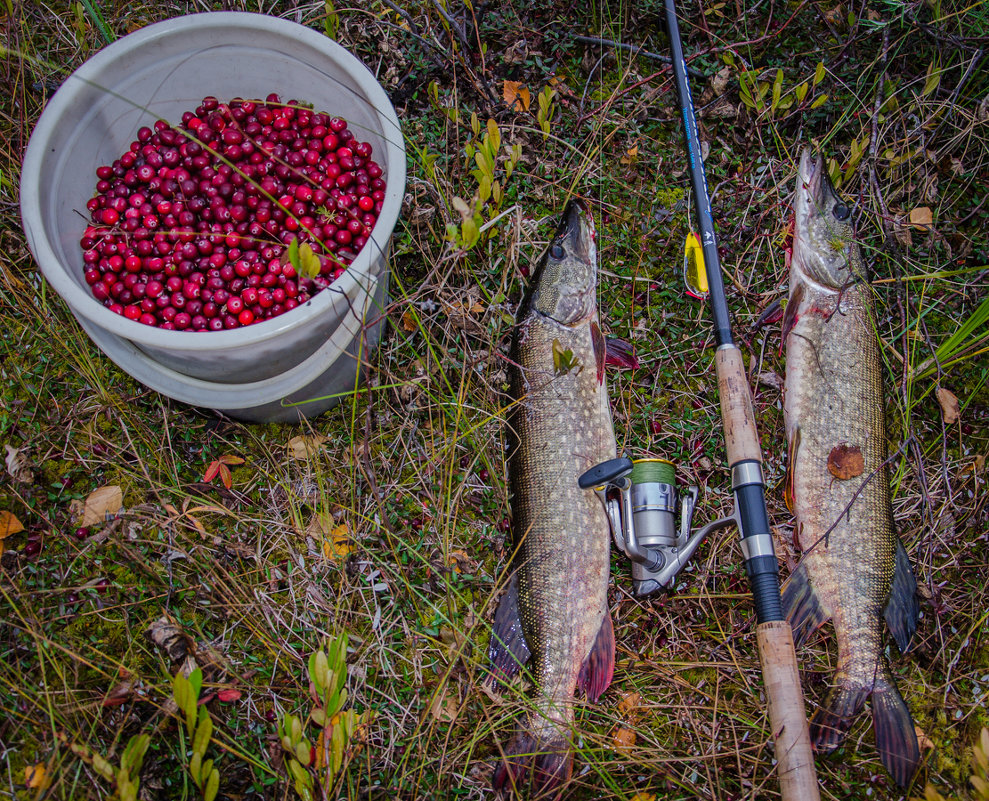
(554, 618)
(854, 569)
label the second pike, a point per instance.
(854, 570)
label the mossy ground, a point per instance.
(413, 466)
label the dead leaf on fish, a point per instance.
(305, 447)
(846, 461)
(18, 465)
(950, 407)
(108, 500)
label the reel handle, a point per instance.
(605, 473)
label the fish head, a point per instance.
(565, 284)
(824, 247)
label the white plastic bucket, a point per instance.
(159, 72)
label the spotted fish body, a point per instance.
(853, 570)
(554, 617)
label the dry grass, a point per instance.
(413, 465)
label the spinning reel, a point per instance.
(641, 500)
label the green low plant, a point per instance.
(979, 779)
(306, 762)
(199, 726)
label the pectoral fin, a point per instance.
(802, 606)
(902, 609)
(508, 650)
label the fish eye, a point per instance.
(556, 251)
(841, 212)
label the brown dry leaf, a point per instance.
(458, 560)
(846, 461)
(169, 636)
(408, 322)
(121, 693)
(9, 524)
(444, 707)
(622, 738)
(950, 407)
(304, 447)
(630, 705)
(902, 232)
(631, 155)
(108, 500)
(921, 217)
(18, 465)
(515, 94)
(923, 740)
(644, 796)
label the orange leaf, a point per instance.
(921, 217)
(515, 94)
(225, 476)
(846, 461)
(235, 460)
(622, 738)
(35, 776)
(9, 524)
(212, 471)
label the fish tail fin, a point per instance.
(537, 769)
(896, 735)
(831, 722)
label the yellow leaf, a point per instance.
(641, 796)
(515, 94)
(35, 776)
(921, 216)
(631, 155)
(101, 502)
(9, 524)
(408, 322)
(304, 447)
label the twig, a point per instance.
(637, 51)
(467, 48)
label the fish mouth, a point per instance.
(576, 231)
(811, 177)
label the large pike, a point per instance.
(854, 569)
(554, 616)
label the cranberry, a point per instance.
(82, 533)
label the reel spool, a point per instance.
(641, 500)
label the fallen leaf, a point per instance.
(408, 322)
(629, 705)
(337, 545)
(35, 776)
(305, 447)
(921, 217)
(516, 95)
(622, 738)
(923, 740)
(122, 693)
(643, 796)
(950, 407)
(631, 155)
(169, 636)
(846, 461)
(108, 500)
(9, 524)
(444, 707)
(771, 379)
(18, 465)
(229, 695)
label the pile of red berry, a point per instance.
(191, 226)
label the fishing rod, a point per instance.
(641, 497)
(797, 775)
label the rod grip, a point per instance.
(741, 435)
(794, 757)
